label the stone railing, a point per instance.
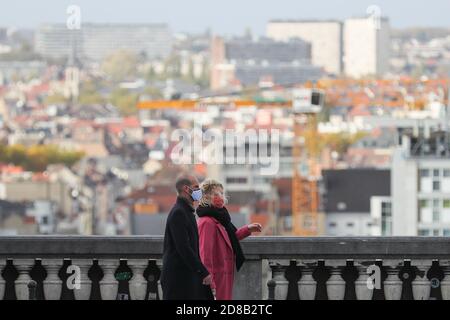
(108, 268)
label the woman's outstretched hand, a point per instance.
(255, 227)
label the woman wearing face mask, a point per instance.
(220, 250)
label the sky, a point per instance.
(221, 16)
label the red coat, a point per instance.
(217, 254)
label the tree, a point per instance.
(36, 158)
(339, 142)
(125, 101)
(55, 99)
(89, 94)
(120, 65)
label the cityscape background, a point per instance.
(78, 156)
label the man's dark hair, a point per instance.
(183, 180)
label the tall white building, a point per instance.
(366, 46)
(420, 184)
(325, 38)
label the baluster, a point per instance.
(407, 274)
(32, 290)
(271, 285)
(421, 285)
(350, 275)
(109, 285)
(137, 284)
(278, 274)
(293, 275)
(152, 278)
(445, 283)
(24, 267)
(435, 274)
(363, 292)
(81, 285)
(378, 291)
(2, 281)
(52, 284)
(160, 293)
(336, 284)
(393, 284)
(307, 285)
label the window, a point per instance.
(350, 224)
(436, 215)
(386, 219)
(436, 210)
(332, 224)
(45, 220)
(424, 203)
(447, 173)
(436, 232)
(446, 203)
(424, 173)
(446, 232)
(426, 209)
(436, 185)
(424, 232)
(436, 173)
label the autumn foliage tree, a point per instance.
(316, 142)
(36, 158)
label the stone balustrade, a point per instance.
(323, 268)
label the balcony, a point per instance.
(109, 268)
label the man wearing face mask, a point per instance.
(183, 275)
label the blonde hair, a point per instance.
(208, 186)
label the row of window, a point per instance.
(244, 180)
(434, 180)
(434, 232)
(434, 210)
(239, 180)
(434, 203)
(349, 224)
(435, 173)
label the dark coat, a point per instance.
(182, 271)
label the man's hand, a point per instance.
(208, 280)
(255, 227)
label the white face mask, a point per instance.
(196, 194)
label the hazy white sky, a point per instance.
(222, 16)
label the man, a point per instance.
(183, 276)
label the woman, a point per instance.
(220, 250)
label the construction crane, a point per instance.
(306, 104)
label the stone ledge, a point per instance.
(254, 247)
